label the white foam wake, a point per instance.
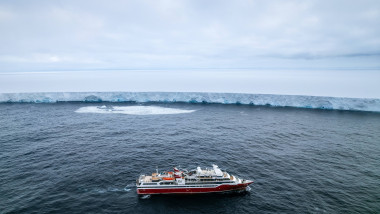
(316, 102)
(132, 110)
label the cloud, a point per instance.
(188, 34)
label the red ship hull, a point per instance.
(193, 190)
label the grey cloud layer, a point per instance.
(188, 34)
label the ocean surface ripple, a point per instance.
(78, 158)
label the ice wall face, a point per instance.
(356, 104)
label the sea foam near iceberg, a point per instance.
(298, 101)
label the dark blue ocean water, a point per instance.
(54, 160)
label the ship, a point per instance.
(190, 182)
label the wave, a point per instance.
(299, 101)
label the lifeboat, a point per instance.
(168, 178)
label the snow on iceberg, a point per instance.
(299, 101)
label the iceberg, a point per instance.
(132, 110)
(298, 101)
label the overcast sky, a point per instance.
(171, 34)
